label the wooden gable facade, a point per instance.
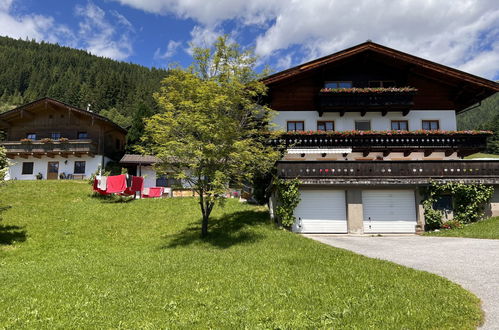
(438, 87)
(47, 126)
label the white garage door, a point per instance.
(321, 211)
(389, 211)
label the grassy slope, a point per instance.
(484, 229)
(87, 262)
(482, 155)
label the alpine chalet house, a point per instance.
(365, 128)
(47, 139)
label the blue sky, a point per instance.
(460, 33)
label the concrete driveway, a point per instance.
(472, 263)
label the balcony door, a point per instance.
(53, 171)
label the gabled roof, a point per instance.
(14, 112)
(389, 52)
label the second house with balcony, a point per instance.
(366, 128)
(47, 139)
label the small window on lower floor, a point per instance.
(362, 125)
(325, 125)
(444, 203)
(400, 125)
(79, 167)
(27, 168)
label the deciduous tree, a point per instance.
(209, 131)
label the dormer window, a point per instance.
(338, 84)
(382, 83)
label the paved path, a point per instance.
(473, 263)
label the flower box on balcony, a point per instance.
(395, 98)
(370, 90)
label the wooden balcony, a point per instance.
(38, 148)
(371, 142)
(485, 171)
(394, 101)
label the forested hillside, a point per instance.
(32, 70)
(480, 117)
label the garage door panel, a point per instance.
(321, 211)
(389, 211)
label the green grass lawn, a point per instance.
(481, 155)
(69, 260)
(488, 228)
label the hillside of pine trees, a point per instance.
(32, 70)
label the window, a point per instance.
(444, 203)
(382, 83)
(296, 126)
(31, 136)
(55, 136)
(27, 168)
(400, 125)
(338, 84)
(430, 125)
(82, 135)
(79, 167)
(362, 125)
(325, 125)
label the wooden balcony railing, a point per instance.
(39, 147)
(389, 169)
(395, 100)
(378, 142)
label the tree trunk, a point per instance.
(204, 226)
(205, 211)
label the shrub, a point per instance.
(288, 197)
(469, 202)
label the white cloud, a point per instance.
(211, 12)
(171, 50)
(100, 37)
(32, 26)
(204, 37)
(96, 32)
(459, 33)
(284, 62)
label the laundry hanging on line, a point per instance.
(125, 185)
